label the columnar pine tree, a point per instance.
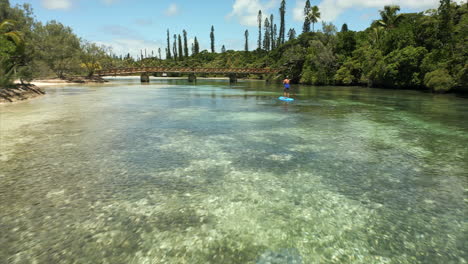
(344, 28)
(159, 52)
(307, 8)
(196, 46)
(267, 37)
(259, 20)
(185, 44)
(212, 38)
(246, 35)
(282, 25)
(181, 52)
(291, 34)
(272, 37)
(275, 35)
(168, 49)
(223, 49)
(174, 47)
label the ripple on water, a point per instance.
(210, 175)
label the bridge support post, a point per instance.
(232, 78)
(192, 77)
(145, 77)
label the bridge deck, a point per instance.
(123, 71)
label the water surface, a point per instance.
(172, 172)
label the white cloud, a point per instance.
(57, 4)
(246, 11)
(67, 4)
(331, 9)
(298, 10)
(172, 10)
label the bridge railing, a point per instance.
(119, 71)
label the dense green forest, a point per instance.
(426, 50)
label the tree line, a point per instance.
(425, 50)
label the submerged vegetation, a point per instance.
(426, 50)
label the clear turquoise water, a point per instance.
(211, 173)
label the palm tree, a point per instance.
(15, 36)
(390, 19)
(376, 35)
(313, 16)
(9, 65)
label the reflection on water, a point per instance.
(173, 173)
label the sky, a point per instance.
(129, 26)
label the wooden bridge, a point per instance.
(146, 71)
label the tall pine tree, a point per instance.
(272, 37)
(344, 28)
(275, 35)
(282, 24)
(168, 49)
(174, 47)
(185, 44)
(266, 38)
(246, 35)
(307, 8)
(259, 20)
(196, 46)
(181, 52)
(291, 34)
(212, 38)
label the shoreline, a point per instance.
(24, 92)
(20, 93)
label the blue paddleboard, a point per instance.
(286, 99)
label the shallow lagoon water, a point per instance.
(172, 172)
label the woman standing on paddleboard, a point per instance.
(286, 86)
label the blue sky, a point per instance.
(132, 25)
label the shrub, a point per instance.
(439, 81)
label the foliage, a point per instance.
(390, 19)
(439, 80)
(313, 16)
(6, 72)
(402, 68)
(399, 50)
(11, 51)
(58, 47)
(349, 73)
(91, 57)
(320, 64)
